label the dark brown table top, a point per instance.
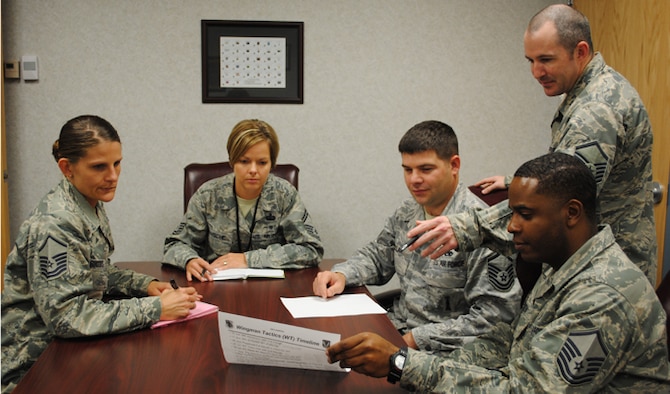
(187, 357)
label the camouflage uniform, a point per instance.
(603, 122)
(50, 291)
(283, 236)
(444, 302)
(593, 325)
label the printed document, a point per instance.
(246, 340)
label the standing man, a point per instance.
(446, 302)
(601, 120)
(592, 322)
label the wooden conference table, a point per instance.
(187, 357)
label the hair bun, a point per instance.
(55, 150)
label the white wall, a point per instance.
(372, 70)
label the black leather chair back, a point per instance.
(663, 293)
(195, 174)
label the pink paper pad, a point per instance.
(201, 309)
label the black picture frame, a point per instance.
(213, 91)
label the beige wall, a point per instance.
(372, 70)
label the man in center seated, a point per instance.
(446, 302)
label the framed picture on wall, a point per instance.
(252, 62)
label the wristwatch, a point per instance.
(397, 362)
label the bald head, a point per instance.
(571, 25)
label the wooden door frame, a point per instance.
(4, 209)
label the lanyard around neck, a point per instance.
(237, 221)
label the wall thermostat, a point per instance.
(12, 69)
(29, 69)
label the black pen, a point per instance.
(409, 243)
(173, 284)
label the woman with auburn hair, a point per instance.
(59, 271)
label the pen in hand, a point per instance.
(409, 243)
(173, 283)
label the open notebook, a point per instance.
(201, 309)
(244, 273)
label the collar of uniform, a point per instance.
(582, 257)
(226, 183)
(267, 204)
(410, 211)
(458, 195)
(81, 201)
(594, 67)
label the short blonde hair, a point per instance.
(248, 133)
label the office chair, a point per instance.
(195, 174)
(492, 198)
(663, 293)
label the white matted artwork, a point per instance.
(253, 62)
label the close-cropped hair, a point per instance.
(248, 133)
(571, 25)
(430, 135)
(80, 134)
(563, 177)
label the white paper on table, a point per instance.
(246, 340)
(244, 273)
(340, 305)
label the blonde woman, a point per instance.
(249, 218)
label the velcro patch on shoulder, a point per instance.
(501, 279)
(594, 157)
(53, 258)
(179, 228)
(581, 357)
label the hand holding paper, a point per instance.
(246, 340)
